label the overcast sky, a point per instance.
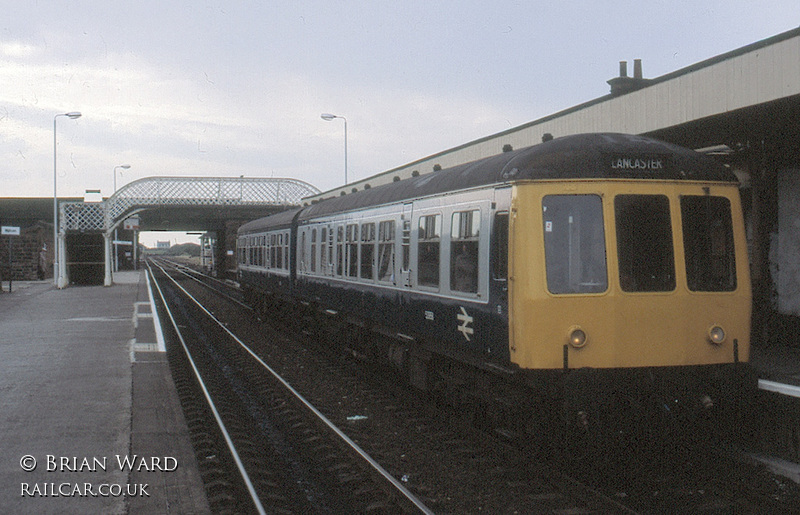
(236, 88)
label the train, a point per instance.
(575, 284)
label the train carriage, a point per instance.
(591, 271)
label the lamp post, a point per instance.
(328, 117)
(116, 252)
(72, 115)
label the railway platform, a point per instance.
(777, 363)
(778, 409)
(89, 418)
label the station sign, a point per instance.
(92, 196)
(9, 230)
(131, 224)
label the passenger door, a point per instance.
(498, 253)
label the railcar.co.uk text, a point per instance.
(70, 464)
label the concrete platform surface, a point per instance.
(89, 418)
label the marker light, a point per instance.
(577, 337)
(716, 335)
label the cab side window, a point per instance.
(500, 247)
(708, 243)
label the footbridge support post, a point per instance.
(61, 248)
(107, 281)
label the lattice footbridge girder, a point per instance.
(181, 191)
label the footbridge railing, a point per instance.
(209, 191)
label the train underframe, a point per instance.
(583, 414)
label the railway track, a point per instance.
(445, 466)
(315, 467)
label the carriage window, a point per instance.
(386, 251)
(273, 250)
(644, 243)
(430, 229)
(574, 244)
(313, 251)
(283, 239)
(279, 264)
(340, 250)
(500, 247)
(352, 250)
(708, 243)
(367, 250)
(273, 262)
(323, 255)
(464, 232)
(286, 261)
(303, 262)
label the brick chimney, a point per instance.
(624, 84)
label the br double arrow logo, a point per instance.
(465, 321)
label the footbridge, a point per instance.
(219, 204)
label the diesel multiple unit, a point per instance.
(592, 273)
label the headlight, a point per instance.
(716, 335)
(577, 337)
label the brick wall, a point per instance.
(29, 261)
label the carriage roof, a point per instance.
(582, 156)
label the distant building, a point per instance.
(162, 245)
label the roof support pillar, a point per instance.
(763, 177)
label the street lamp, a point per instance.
(328, 117)
(124, 167)
(72, 115)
